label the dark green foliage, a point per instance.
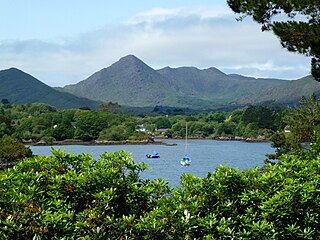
(67, 196)
(225, 128)
(262, 116)
(35, 122)
(115, 133)
(39, 108)
(5, 126)
(250, 122)
(295, 34)
(88, 125)
(162, 122)
(216, 117)
(12, 151)
(36, 127)
(40, 121)
(73, 197)
(302, 122)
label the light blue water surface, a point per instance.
(206, 155)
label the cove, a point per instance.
(206, 155)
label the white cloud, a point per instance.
(160, 37)
(157, 15)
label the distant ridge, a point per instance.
(20, 87)
(131, 82)
(288, 94)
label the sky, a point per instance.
(63, 42)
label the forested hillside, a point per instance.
(19, 87)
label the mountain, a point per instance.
(131, 82)
(215, 86)
(287, 94)
(20, 87)
(134, 85)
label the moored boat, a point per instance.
(185, 161)
(153, 155)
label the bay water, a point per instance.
(205, 155)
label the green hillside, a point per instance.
(214, 86)
(20, 87)
(287, 94)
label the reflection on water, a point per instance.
(206, 155)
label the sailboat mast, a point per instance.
(186, 137)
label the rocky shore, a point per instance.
(103, 143)
(236, 138)
(157, 141)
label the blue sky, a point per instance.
(63, 42)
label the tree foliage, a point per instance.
(12, 151)
(36, 122)
(303, 122)
(299, 32)
(71, 197)
(64, 196)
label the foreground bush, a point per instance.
(12, 151)
(76, 197)
(67, 196)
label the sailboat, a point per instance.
(185, 161)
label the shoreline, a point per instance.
(98, 143)
(230, 138)
(144, 142)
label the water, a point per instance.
(206, 155)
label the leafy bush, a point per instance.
(12, 151)
(72, 197)
(68, 196)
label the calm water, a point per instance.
(206, 155)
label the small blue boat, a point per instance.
(185, 161)
(153, 155)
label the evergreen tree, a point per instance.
(299, 32)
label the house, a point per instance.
(287, 129)
(141, 128)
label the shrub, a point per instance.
(12, 151)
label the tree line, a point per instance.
(41, 122)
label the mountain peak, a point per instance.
(13, 69)
(130, 59)
(14, 72)
(130, 62)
